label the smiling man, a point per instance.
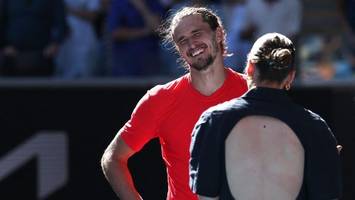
(170, 111)
(194, 37)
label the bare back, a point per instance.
(264, 160)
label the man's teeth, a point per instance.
(199, 51)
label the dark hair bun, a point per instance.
(281, 58)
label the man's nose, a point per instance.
(191, 43)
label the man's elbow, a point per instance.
(109, 161)
(115, 157)
(106, 161)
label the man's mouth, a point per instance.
(197, 52)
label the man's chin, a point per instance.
(200, 67)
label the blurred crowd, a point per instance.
(72, 39)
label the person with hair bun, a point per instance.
(262, 145)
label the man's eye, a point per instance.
(182, 42)
(198, 34)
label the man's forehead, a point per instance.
(188, 24)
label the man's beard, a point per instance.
(203, 63)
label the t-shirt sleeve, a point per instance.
(323, 170)
(142, 126)
(207, 158)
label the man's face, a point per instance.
(196, 42)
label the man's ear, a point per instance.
(219, 34)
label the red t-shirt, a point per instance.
(170, 112)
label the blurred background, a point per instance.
(71, 72)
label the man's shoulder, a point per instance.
(168, 88)
(239, 79)
(237, 75)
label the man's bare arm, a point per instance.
(114, 166)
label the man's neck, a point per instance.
(209, 80)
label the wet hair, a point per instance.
(167, 29)
(273, 55)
